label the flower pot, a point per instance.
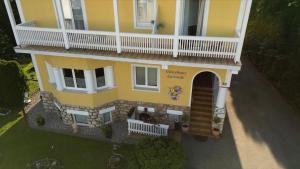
(185, 128)
(216, 132)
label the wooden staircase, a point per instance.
(201, 111)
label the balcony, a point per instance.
(186, 46)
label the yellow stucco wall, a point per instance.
(123, 82)
(41, 11)
(222, 18)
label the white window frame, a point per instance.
(77, 112)
(85, 21)
(95, 77)
(109, 110)
(135, 13)
(74, 80)
(146, 86)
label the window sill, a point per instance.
(149, 27)
(146, 89)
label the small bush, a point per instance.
(157, 153)
(40, 120)
(107, 131)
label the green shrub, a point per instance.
(40, 120)
(157, 153)
(107, 131)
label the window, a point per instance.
(174, 115)
(146, 77)
(144, 12)
(80, 119)
(73, 14)
(100, 77)
(107, 114)
(173, 118)
(74, 78)
(107, 117)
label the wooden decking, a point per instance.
(127, 55)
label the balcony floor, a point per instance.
(111, 55)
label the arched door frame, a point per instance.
(198, 73)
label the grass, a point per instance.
(20, 145)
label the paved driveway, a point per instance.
(261, 131)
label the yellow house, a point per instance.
(98, 61)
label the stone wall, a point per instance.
(52, 105)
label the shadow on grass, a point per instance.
(7, 122)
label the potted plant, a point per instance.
(40, 120)
(216, 130)
(185, 123)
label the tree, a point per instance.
(12, 86)
(157, 153)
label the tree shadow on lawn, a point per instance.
(22, 145)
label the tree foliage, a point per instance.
(12, 86)
(157, 153)
(273, 42)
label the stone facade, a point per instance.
(122, 107)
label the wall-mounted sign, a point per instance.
(174, 74)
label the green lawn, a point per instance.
(20, 145)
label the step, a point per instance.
(201, 124)
(200, 108)
(200, 131)
(197, 97)
(200, 113)
(208, 89)
(201, 117)
(201, 103)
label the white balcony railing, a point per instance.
(140, 127)
(209, 47)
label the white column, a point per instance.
(117, 26)
(177, 28)
(20, 10)
(37, 72)
(12, 20)
(243, 31)
(90, 81)
(62, 23)
(220, 104)
(58, 79)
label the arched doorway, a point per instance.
(204, 88)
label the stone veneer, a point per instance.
(95, 120)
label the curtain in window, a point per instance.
(140, 75)
(100, 77)
(145, 10)
(68, 77)
(80, 80)
(152, 76)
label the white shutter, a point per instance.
(50, 73)
(109, 76)
(89, 76)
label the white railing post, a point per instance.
(12, 20)
(237, 58)
(62, 23)
(177, 27)
(117, 26)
